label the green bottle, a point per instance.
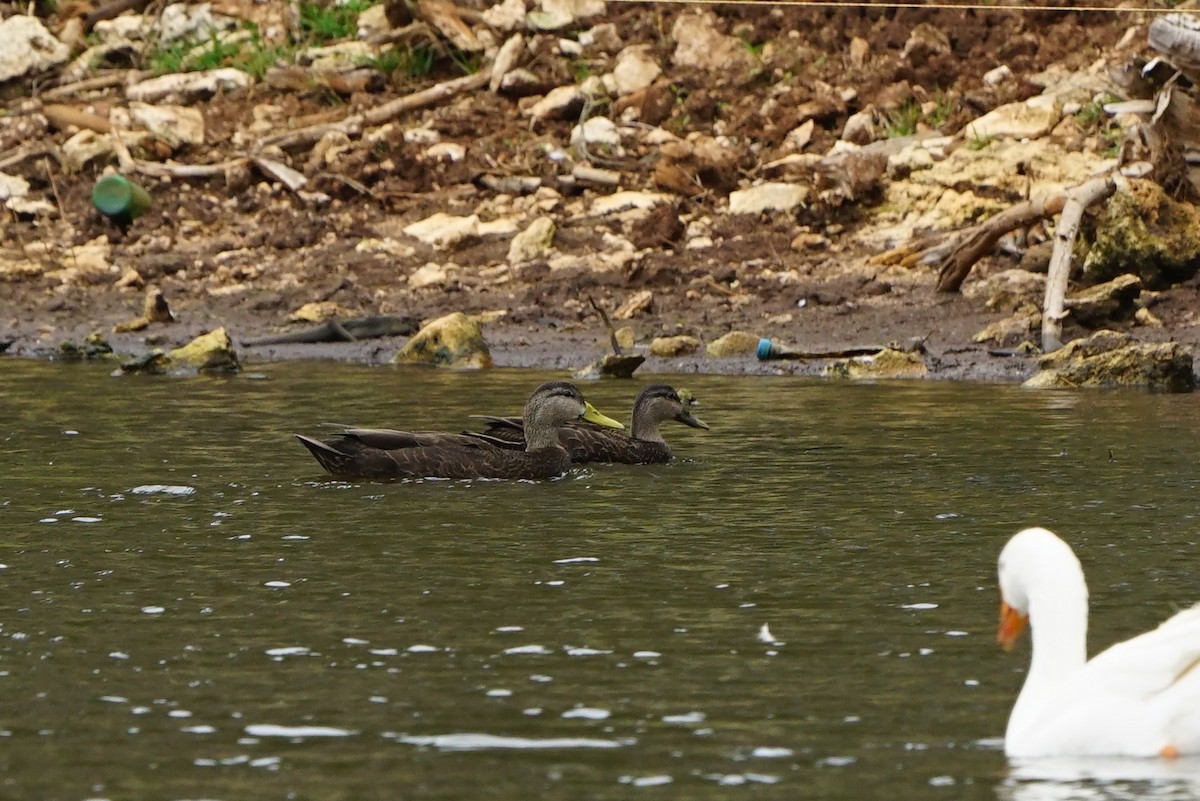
(120, 199)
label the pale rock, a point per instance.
(18, 269)
(699, 243)
(810, 240)
(593, 86)
(507, 57)
(187, 86)
(637, 304)
(931, 200)
(735, 343)
(1030, 119)
(520, 82)
(27, 47)
(329, 147)
(427, 275)
(799, 137)
(503, 226)
(506, 16)
(446, 151)
(998, 75)
(603, 37)
(699, 44)
(421, 136)
(12, 186)
(556, 14)
(535, 242)
(372, 21)
(626, 200)
(191, 21)
(85, 264)
(443, 230)
(860, 127)
(909, 159)
(925, 40)
(1007, 290)
(669, 347)
(340, 56)
(570, 48)
(85, 146)
(1146, 318)
(1013, 330)
(596, 131)
(386, 247)
(125, 27)
(31, 207)
(556, 103)
(773, 196)
(175, 125)
(635, 70)
(859, 51)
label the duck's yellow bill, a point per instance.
(593, 416)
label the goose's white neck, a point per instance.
(1058, 630)
(1041, 578)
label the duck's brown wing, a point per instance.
(505, 429)
(388, 439)
(587, 444)
(358, 454)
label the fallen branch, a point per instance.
(1078, 199)
(109, 79)
(975, 243)
(27, 151)
(111, 11)
(387, 112)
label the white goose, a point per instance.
(1139, 698)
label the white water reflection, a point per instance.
(298, 732)
(1101, 778)
(480, 742)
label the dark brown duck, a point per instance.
(656, 404)
(384, 453)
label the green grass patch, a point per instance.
(902, 121)
(320, 24)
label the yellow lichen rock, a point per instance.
(455, 340)
(211, 351)
(735, 343)
(887, 363)
(1113, 359)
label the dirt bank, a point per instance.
(242, 251)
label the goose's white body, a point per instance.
(1139, 698)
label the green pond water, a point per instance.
(191, 609)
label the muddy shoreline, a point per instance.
(944, 323)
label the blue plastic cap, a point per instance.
(765, 346)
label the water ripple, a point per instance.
(481, 742)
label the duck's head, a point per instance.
(659, 403)
(557, 403)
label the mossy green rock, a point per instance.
(455, 340)
(1113, 359)
(1143, 231)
